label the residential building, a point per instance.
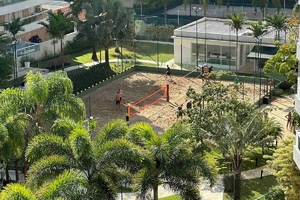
(296, 152)
(216, 42)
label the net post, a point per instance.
(168, 93)
(127, 115)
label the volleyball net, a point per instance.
(139, 106)
(146, 102)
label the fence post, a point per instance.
(168, 97)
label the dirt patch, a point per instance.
(137, 86)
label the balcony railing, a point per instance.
(9, 2)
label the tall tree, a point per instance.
(205, 4)
(104, 161)
(91, 27)
(186, 2)
(236, 22)
(263, 5)
(103, 18)
(15, 27)
(277, 5)
(57, 26)
(171, 152)
(34, 109)
(284, 168)
(235, 126)
(285, 61)
(278, 22)
(6, 61)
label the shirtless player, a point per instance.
(118, 100)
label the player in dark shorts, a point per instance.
(118, 100)
(180, 111)
(168, 72)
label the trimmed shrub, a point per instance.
(84, 78)
(285, 85)
(76, 45)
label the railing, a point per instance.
(36, 17)
(9, 2)
(27, 50)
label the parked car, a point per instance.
(35, 39)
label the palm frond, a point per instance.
(16, 191)
(46, 169)
(81, 145)
(140, 132)
(46, 144)
(70, 185)
(112, 130)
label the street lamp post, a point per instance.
(259, 66)
(197, 10)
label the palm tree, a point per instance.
(205, 5)
(6, 61)
(277, 5)
(278, 22)
(15, 27)
(57, 25)
(258, 29)
(91, 28)
(186, 2)
(69, 185)
(262, 4)
(33, 110)
(170, 153)
(105, 161)
(234, 138)
(236, 22)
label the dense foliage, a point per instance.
(83, 79)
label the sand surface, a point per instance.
(139, 85)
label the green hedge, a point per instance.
(86, 78)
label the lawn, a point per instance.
(215, 158)
(174, 197)
(144, 51)
(254, 188)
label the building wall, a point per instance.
(12, 8)
(46, 47)
(41, 32)
(189, 57)
(296, 151)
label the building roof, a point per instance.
(219, 29)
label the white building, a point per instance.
(217, 44)
(296, 153)
(11, 9)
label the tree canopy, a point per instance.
(285, 170)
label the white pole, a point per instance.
(178, 17)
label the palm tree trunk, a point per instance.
(61, 54)
(106, 55)
(236, 50)
(94, 54)
(237, 169)
(155, 192)
(7, 172)
(165, 12)
(16, 170)
(16, 61)
(237, 187)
